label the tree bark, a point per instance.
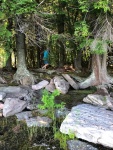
(60, 24)
(99, 76)
(9, 63)
(22, 74)
(9, 60)
(77, 61)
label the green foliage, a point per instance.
(48, 100)
(81, 30)
(4, 32)
(5, 36)
(2, 15)
(55, 37)
(84, 5)
(14, 7)
(98, 47)
(3, 57)
(63, 138)
(54, 55)
(102, 4)
(9, 10)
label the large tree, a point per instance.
(97, 35)
(20, 12)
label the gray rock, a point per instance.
(79, 145)
(71, 81)
(32, 106)
(91, 123)
(13, 106)
(61, 84)
(62, 112)
(10, 89)
(40, 85)
(24, 115)
(39, 121)
(43, 112)
(2, 95)
(51, 86)
(21, 94)
(99, 100)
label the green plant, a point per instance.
(63, 138)
(48, 100)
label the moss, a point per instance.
(12, 139)
(16, 135)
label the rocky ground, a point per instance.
(32, 97)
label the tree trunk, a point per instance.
(22, 74)
(9, 63)
(60, 23)
(61, 54)
(9, 60)
(38, 58)
(99, 76)
(77, 61)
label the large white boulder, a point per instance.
(91, 123)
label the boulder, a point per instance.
(79, 145)
(51, 86)
(91, 123)
(100, 100)
(61, 84)
(24, 115)
(71, 81)
(10, 89)
(21, 94)
(2, 95)
(13, 106)
(40, 85)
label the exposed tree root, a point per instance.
(23, 76)
(106, 82)
(2, 80)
